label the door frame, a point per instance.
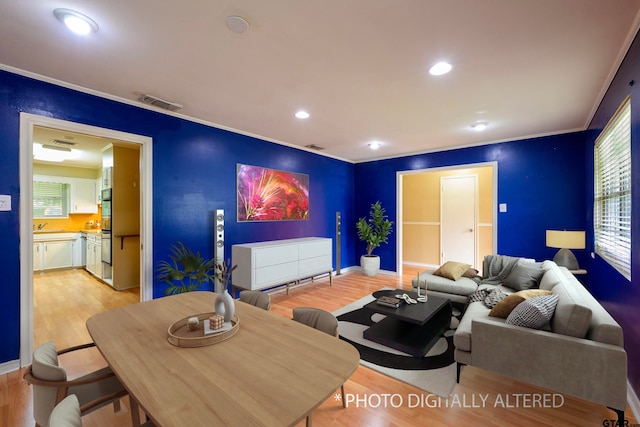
(443, 179)
(399, 214)
(27, 123)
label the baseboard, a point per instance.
(421, 264)
(10, 366)
(632, 399)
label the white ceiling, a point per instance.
(359, 67)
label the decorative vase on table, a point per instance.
(224, 304)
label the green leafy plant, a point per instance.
(375, 230)
(186, 272)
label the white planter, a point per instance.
(370, 264)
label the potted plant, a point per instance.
(373, 231)
(186, 272)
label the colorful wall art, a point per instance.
(271, 195)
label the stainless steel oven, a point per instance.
(106, 248)
(106, 210)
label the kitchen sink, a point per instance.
(49, 230)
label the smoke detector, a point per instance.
(237, 24)
(159, 102)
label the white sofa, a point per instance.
(579, 352)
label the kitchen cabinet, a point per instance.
(94, 255)
(58, 254)
(98, 185)
(83, 196)
(38, 251)
(80, 250)
(53, 250)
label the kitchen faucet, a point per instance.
(41, 226)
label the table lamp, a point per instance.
(565, 241)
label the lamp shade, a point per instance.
(566, 239)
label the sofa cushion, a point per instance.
(471, 273)
(462, 335)
(551, 277)
(463, 286)
(573, 315)
(506, 306)
(533, 313)
(524, 276)
(452, 270)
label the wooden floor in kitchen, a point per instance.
(64, 300)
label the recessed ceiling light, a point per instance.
(76, 21)
(302, 114)
(440, 68)
(237, 24)
(479, 126)
(374, 145)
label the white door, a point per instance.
(458, 219)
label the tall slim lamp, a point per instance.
(565, 241)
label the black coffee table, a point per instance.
(410, 328)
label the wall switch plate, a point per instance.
(503, 207)
(5, 202)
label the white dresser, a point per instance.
(281, 262)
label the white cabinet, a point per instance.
(38, 257)
(83, 196)
(58, 254)
(98, 185)
(80, 250)
(94, 255)
(53, 250)
(266, 264)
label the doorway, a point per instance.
(27, 124)
(418, 220)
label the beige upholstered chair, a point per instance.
(257, 298)
(50, 384)
(67, 414)
(323, 321)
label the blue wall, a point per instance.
(541, 180)
(620, 296)
(194, 170)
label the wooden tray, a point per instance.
(180, 336)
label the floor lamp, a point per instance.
(565, 241)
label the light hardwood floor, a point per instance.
(77, 296)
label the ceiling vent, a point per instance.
(158, 102)
(314, 147)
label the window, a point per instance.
(612, 191)
(50, 199)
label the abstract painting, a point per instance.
(271, 195)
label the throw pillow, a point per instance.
(470, 273)
(533, 313)
(494, 297)
(524, 276)
(506, 306)
(478, 295)
(452, 270)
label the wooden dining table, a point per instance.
(272, 372)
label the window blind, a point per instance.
(612, 191)
(50, 199)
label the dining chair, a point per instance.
(323, 321)
(257, 298)
(50, 384)
(67, 414)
